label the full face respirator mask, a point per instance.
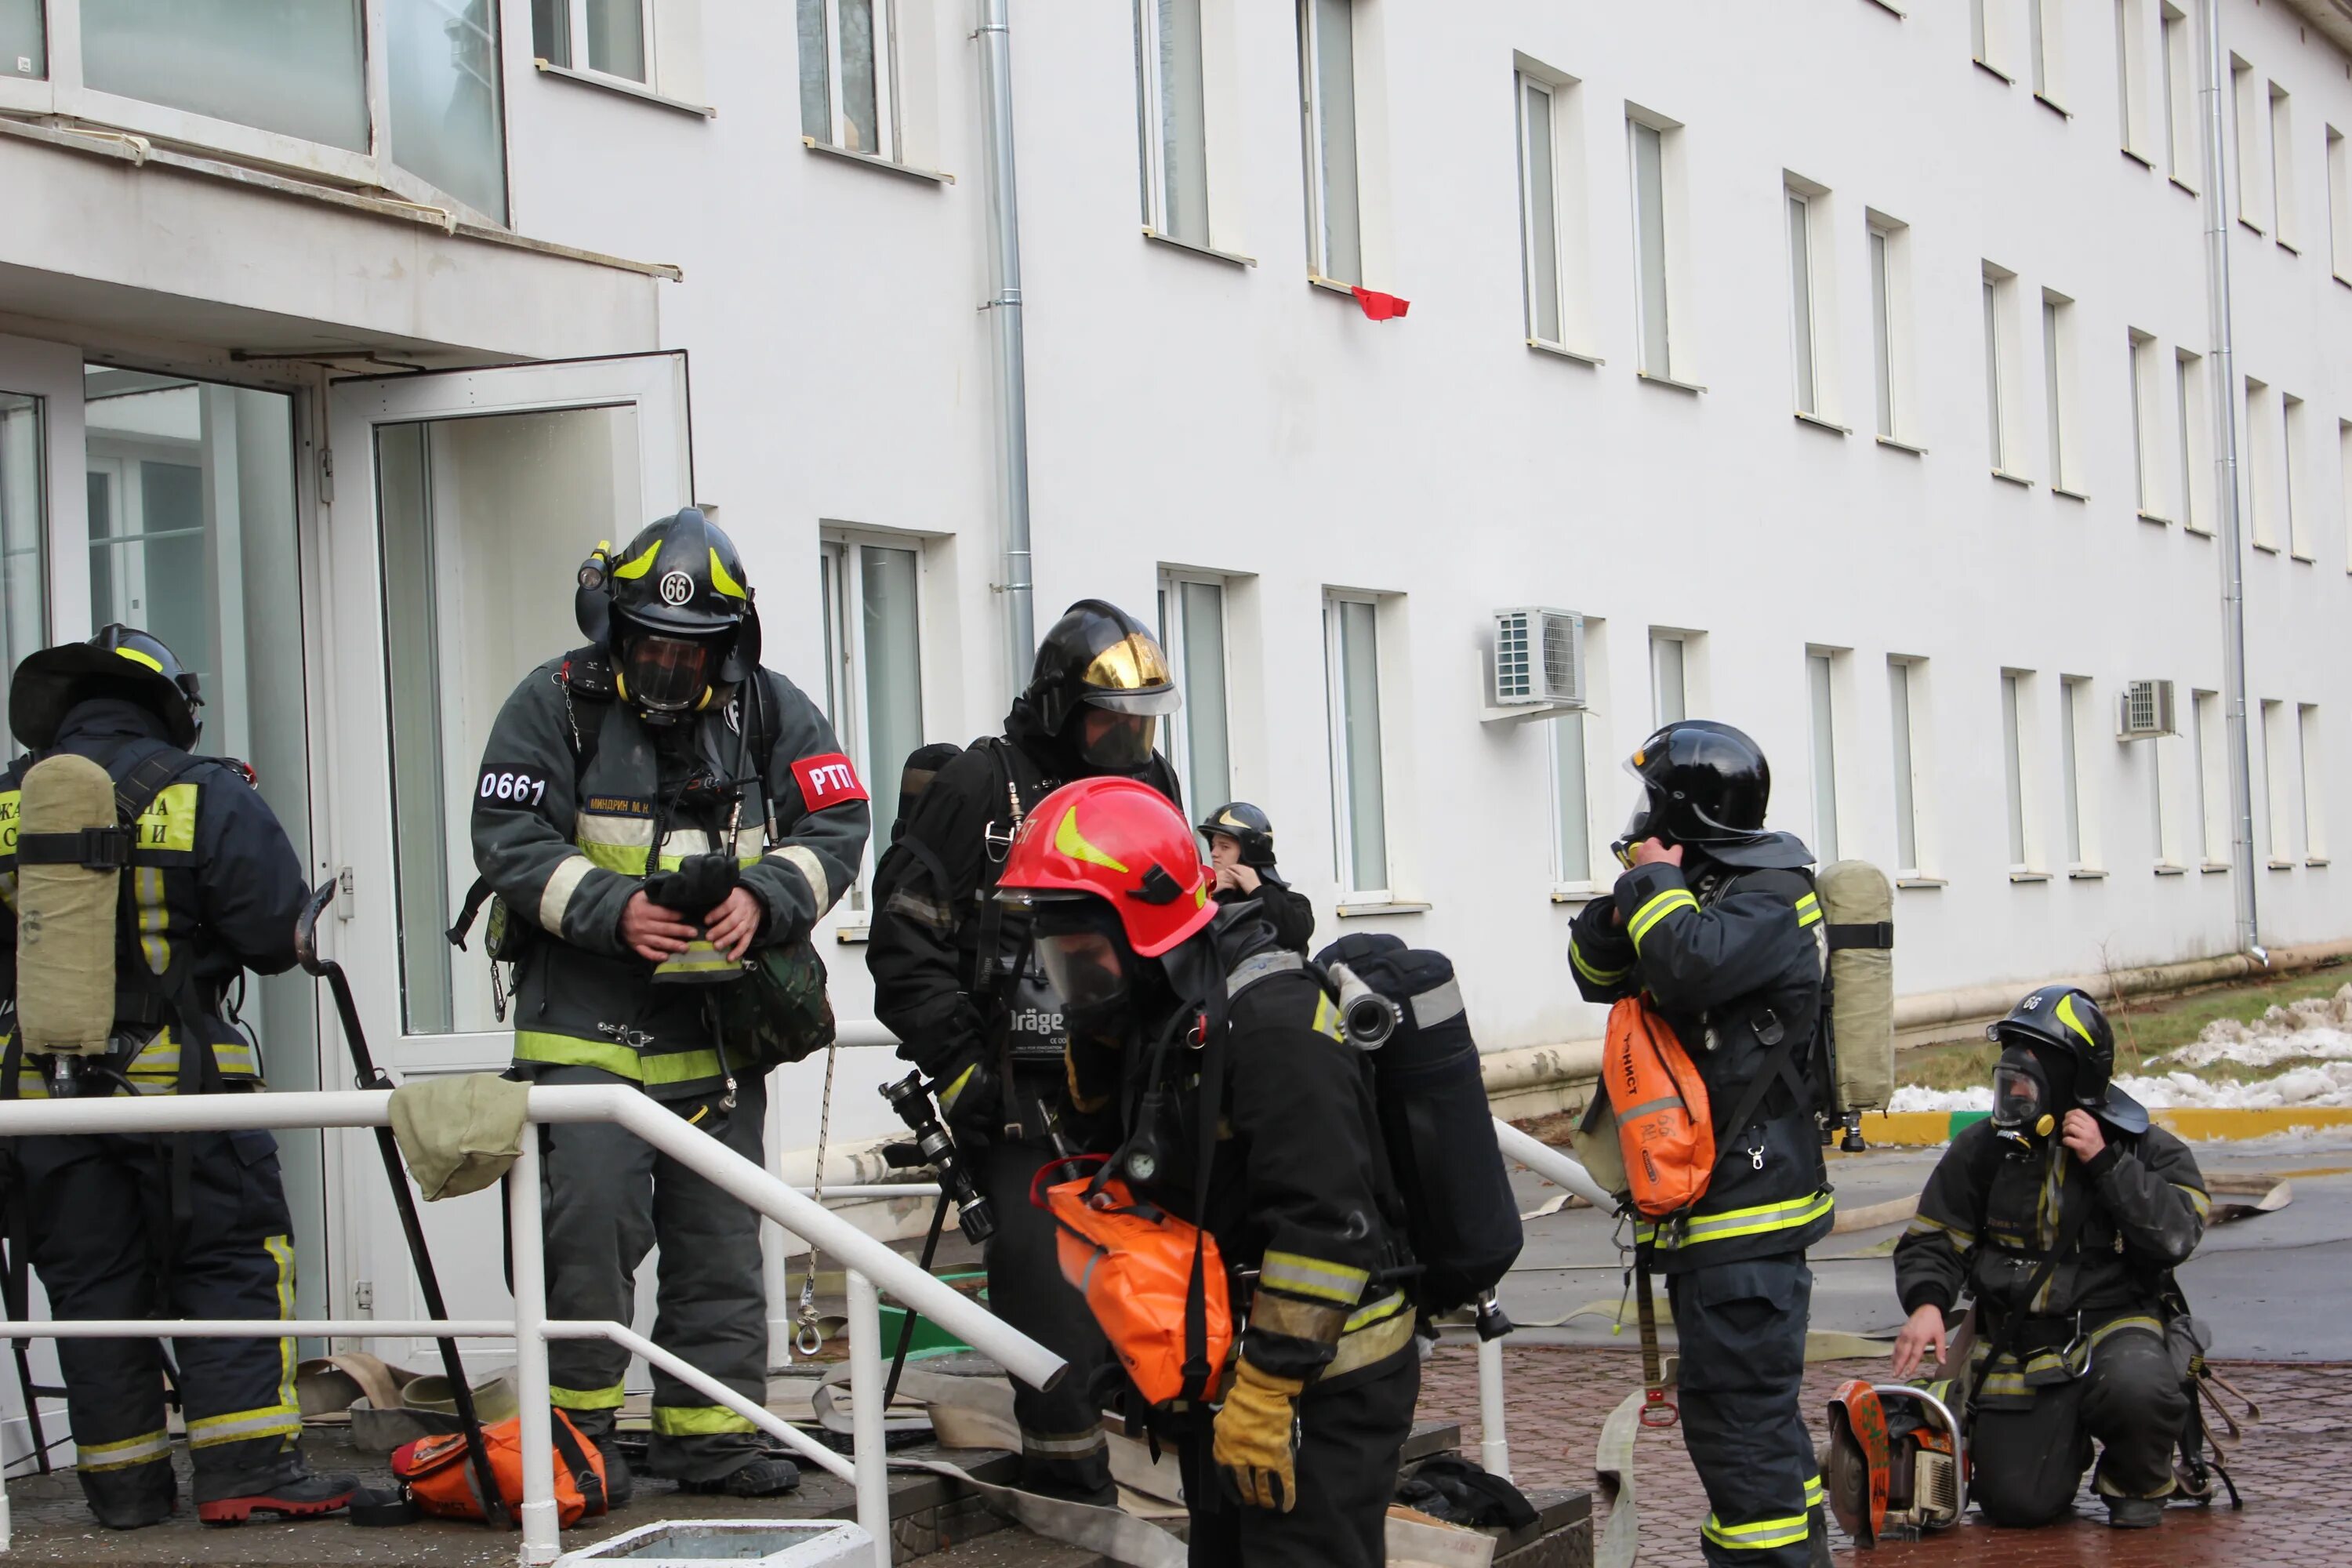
(1087, 961)
(2028, 1099)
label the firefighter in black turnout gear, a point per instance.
(2063, 1216)
(1193, 1029)
(955, 980)
(193, 881)
(651, 808)
(1240, 859)
(1715, 918)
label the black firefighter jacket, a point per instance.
(932, 890)
(1733, 957)
(566, 844)
(1990, 1214)
(217, 888)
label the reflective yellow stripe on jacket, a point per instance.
(1793, 1214)
(654, 1069)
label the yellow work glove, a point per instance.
(1254, 1433)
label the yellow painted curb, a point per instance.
(1927, 1128)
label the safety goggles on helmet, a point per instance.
(1116, 742)
(664, 677)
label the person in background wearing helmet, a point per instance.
(1241, 854)
(194, 1224)
(2068, 1162)
(1298, 1465)
(1715, 916)
(655, 805)
(955, 980)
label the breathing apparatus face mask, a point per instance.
(1115, 742)
(2027, 1105)
(664, 677)
(1637, 822)
(1087, 963)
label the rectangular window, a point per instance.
(2315, 829)
(1801, 335)
(1882, 326)
(2207, 734)
(1979, 33)
(2162, 831)
(2291, 442)
(2131, 77)
(299, 71)
(1172, 112)
(2344, 488)
(2281, 777)
(2057, 354)
(1820, 678)
(1352, 651)
(1539, 211)
(1669, 689)
(1904, 691)
(2179, 98)
(1996, 370)
(2286, 223)
(24, 529)
(849, 76)
(2265, 445)
(1571, 801)
(874, 665)
(1652, 292)
(1327, 64)
(442, 73)
(2339, 206)
(2074, 737)
(2014, 748)
(24, 48)
(2045, 42)
(2246, 116)
(2145, 460)
(1198, 740)
(2195, 430)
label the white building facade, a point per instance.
(1853, 377)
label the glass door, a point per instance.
(463, 505)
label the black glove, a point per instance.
(971, 1097)
(699, 885)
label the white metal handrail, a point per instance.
(869, 1262)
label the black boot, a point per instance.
(2135, 1512)
(132, 1498)
(287, 1490)
(620, 1483)
(761, 1478)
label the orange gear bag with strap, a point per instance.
(441, 1482)
(1664, 1124)
(1133, 1261)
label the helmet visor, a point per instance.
(664, 674)
(1116, 742)
(1131, 676)
(2020, 1098)
(1085, 967)
(1637, 821)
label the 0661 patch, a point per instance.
(827, 779)
(517, 786)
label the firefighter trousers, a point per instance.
(1350, 1436)
(2027, 1465)
(609, 1199)
(1740, 1331)
(1063, 1450)
(104, 1244)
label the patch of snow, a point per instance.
(2328, 1085)
(1911, 1097)
(2317, 1026)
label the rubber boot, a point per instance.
(2135, 1512)
(289, 1491)
(620, 1482)
(761, 1478)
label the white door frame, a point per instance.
(53, 372)
(356, 808)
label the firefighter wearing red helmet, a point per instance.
(1173, 999)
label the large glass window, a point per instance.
(24, 46)
(296, 68)
(1192, 628)
(1327, 36)
(23, 517)
(1172, 98)
(874, 664)
(446, 119)
(1351, 631)
(845, 76)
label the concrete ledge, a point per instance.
(1927, 1129)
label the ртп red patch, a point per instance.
(827, 779)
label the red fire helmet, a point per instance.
(1119, 840)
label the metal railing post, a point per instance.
(866, 1442)
(541, 1529)
(1494, 1445)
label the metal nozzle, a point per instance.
(1369, 1018)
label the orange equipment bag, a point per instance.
(441, 1482)
(1133, 1263)
(1663, 1123)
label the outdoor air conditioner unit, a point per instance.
(2147, 711)
(1538, 666)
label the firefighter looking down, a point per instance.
(1193, 1029)
(2063, 1216)
(955, 980)
(653, 808)
(183, 879)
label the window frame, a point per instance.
(2058, 384)
(888, 127)
(2191, 394)
(2278, 816)
(575, 52)
(2078, 737)
(2291, 415)
(2045, 49)
(2131, 77)
(1588, 879)
(1673, 220)
(2265, 445)
(1175, 639)
(2246, 123)
(2209, 736)
(1313, 110)
(1151, 122)
(2005, 412)
(2286, 215)
(2339, 206)
(1824, 677)
(2021, 760)
(1342, 784)
(2178, 48)
(2145, 454)
(1811, 357)
(64, 93)
(843, 695)
(2309, 754)
(1524, 83)
(1660, 638)
(1908, 697)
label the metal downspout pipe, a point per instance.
(2224, 390)
(995, 38)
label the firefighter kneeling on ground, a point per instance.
(1168, 993)
(139, 882)
(1715, 919)
(2063, 1216)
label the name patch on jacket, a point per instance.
(827, 779)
